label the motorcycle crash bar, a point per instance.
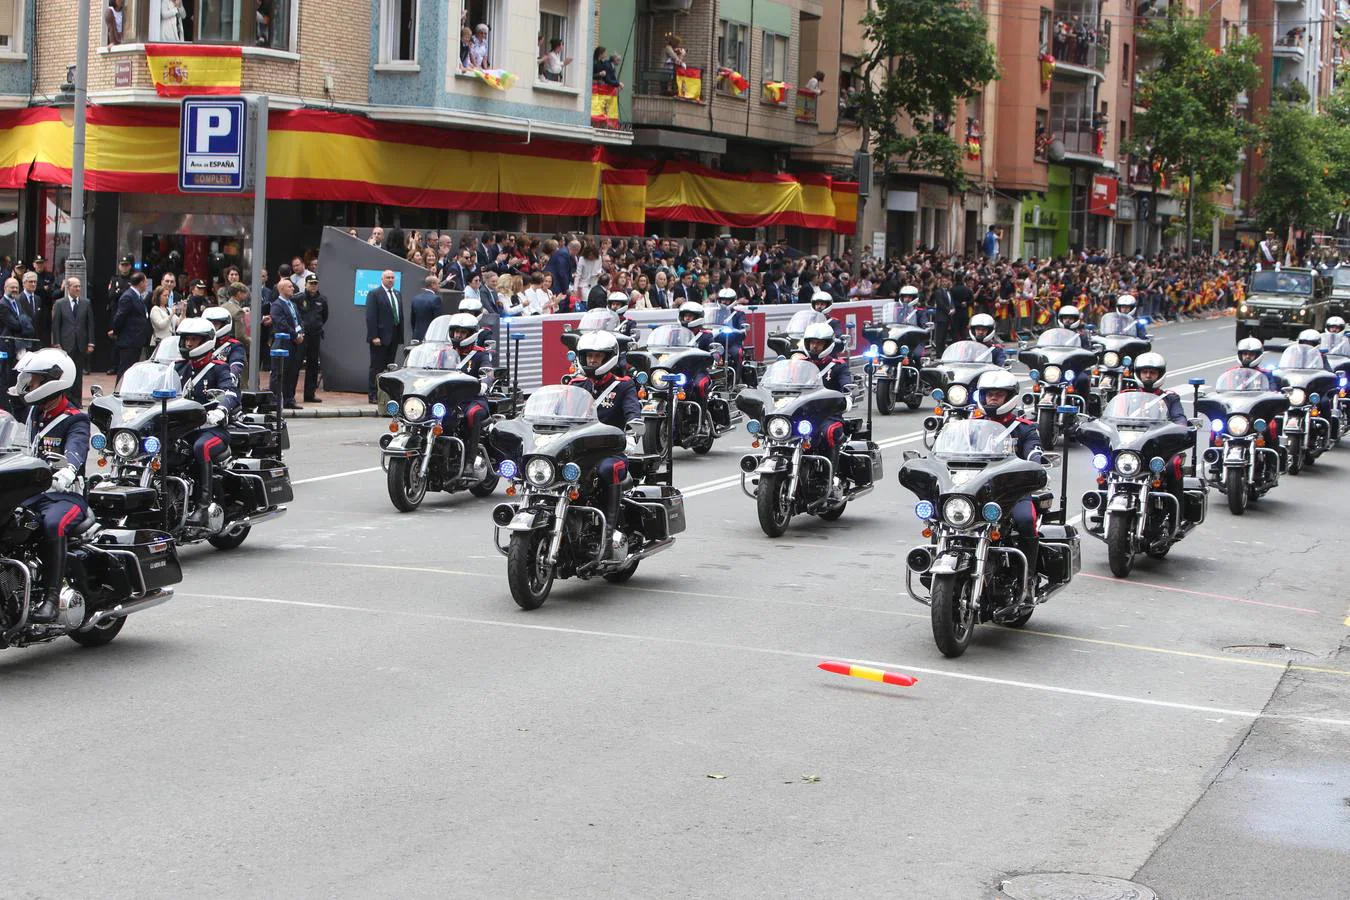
(868, 674)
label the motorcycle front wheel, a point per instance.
(527, 569)
(1045, 423)
(407, 487)
(485, 487)
(886, 397)
(1236, 487)
(1118, 550)
(951, 632)
(1295, 455)
(654, 437)
(774, 505)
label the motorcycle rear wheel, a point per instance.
(1236, 487)
(99, 636)
(950, 633)
(1118, 546)
(623, 574)
(229, 540)
(406, 485)
(530, 578)
(773, 504)
(703, 446)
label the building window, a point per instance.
(554, 23)
(1125, 62)
(11, 26)
(398, 31)
(258, 23)
(1047, 22)
(732, 51)
(480, 48)
(774, 65)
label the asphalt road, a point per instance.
(351, 705)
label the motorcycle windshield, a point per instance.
(1116, 323)
(559, 406)
(1136, 409)
(1242, 380)
(973, 441)
(670, 337)
(598, 320)
(429, 355)
(790, 376)
(141, 381)
(1336, 344)
(896, 313)
(799, 321)
(1059, 337)
(1300, 356)
(968, 352)
(715, 318)
(438, 332)
(12, 435)
(167, 351)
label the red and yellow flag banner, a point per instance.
(604, 105)
(733, 80)
(623, 202)
(845, 196)
(182, 70)
(689, 84)
(775, 92)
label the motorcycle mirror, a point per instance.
(96, 392)
(1023, 345)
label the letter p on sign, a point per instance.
(211, 123)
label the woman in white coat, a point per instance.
(171, 16)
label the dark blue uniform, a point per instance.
(209, 443)
(1028, 438)
(474, 413)
(1178, 416)
(1000, 355)
(617, 404)
(64, 430)
(232, 354)
(834, 376)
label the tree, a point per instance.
(1295, 187)
(1190, 126)
(925, 56)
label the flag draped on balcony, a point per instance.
(1047, 70)
(184, 70)
(733, 80)
(497, 78)
(775, 91)
(604, 105)
(689, 84)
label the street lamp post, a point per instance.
(75, 262)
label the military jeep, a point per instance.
(1283, 302)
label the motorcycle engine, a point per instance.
(11, 597)
(71, 612)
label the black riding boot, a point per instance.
(1030, 545)
(52, 555)
(613, 502)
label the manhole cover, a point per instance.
(1270, 651)
(1070, 886)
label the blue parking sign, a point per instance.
(213, 145)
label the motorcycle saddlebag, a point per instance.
(1060, 555)
(657, 509)
(120, 500)
(861, 462)
(154, 552)
(275, 477)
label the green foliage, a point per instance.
(926, 56)
(1296, 178)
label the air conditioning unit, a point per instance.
(670, 5)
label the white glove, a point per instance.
(64, 479)
(215, 417)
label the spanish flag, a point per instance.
(497, 78)
(184, 70)
(775, 91)
(604, 105)
(623, 202)
(735, 81)
(689, 84)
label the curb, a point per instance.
(335, 412)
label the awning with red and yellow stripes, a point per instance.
(690, 193)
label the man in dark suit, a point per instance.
(940, 308)
(36, 306)
(14, 323)
(285, 318)
(384, 328)
(459, 272)
(46, 293)
(562, 265)
(73, 332)
(425, 307)
(130, 326)
(963, 304)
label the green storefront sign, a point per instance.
(1045, 216)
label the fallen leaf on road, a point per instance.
(811, 779)
(716, 775)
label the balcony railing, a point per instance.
(1078, 136)
(806, 105)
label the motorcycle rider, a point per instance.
(998, 397)
(734, 339)
(475, 360)
(617, 404)
(821, 301)
(228, 350)
(619, 304)
(1069, 317)
(819, 346)
(1334, 339)
(1149, 370)
(1249, 351)
(982, 332)
(55, 426)
(1128, 305)
(200, 373)
(1311, 337)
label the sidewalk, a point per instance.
(335, 404)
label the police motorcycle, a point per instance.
(554, 524)
(1308, 425)
(432, 402)
(900, 338)
(1118, 344)
(1059, 363)
(788, 414)
(1336, 345)
(1135, 507)
(1239, 460)
(736, 369)
(953, 379)
(675, 367)
(146, 449)
(975, 567)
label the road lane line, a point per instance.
(793, 654)
(1196, 331)
(1231, 599)
(336, 475)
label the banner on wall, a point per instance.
(181, 70)
(623, 202)
(604, 105)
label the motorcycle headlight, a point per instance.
(1053, 374)
(958, 394)
(890, 348)
(1129, 463)
(539, 472)
(126, 444)
(660, 378)
(779, 427)
(1111, 359)
(1298, 396)
(1239, 425)
(414, 408)
(958, 511)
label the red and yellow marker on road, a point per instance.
(864, 672)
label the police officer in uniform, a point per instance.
(1127, 305)
(982, 332)
(475, 360)
(228, 350)
(118, 285)
(998, 396)
(821, 301)
(617, 404)
(55, 426)
(1149, 370)
(200, 373)
(313, 316)
(819, 346)
(618, 303)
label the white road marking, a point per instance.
(794, 654)
(336, 475)
(1196, 331)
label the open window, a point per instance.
(774, 68)
(487, 50)
(11, 26)
(398, 31)
(733, 52)
(555, 43)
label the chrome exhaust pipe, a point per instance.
(250, 521)
(104, 616)
(651, 550)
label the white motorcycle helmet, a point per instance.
(43, 374)
(909, 293)
(821, 301)
(459, 324)
(1153, 361)
(1335, 325)
(617, 299)
(1126, 303)
(691, 315)
(1000, 380)
(985, 321)
(220, 317)
(598, 342)
(726, 296)
(1069, 317)
(196, 327)
(814, 334)
(471, 305)
(1248, 352)
(1310, 336)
